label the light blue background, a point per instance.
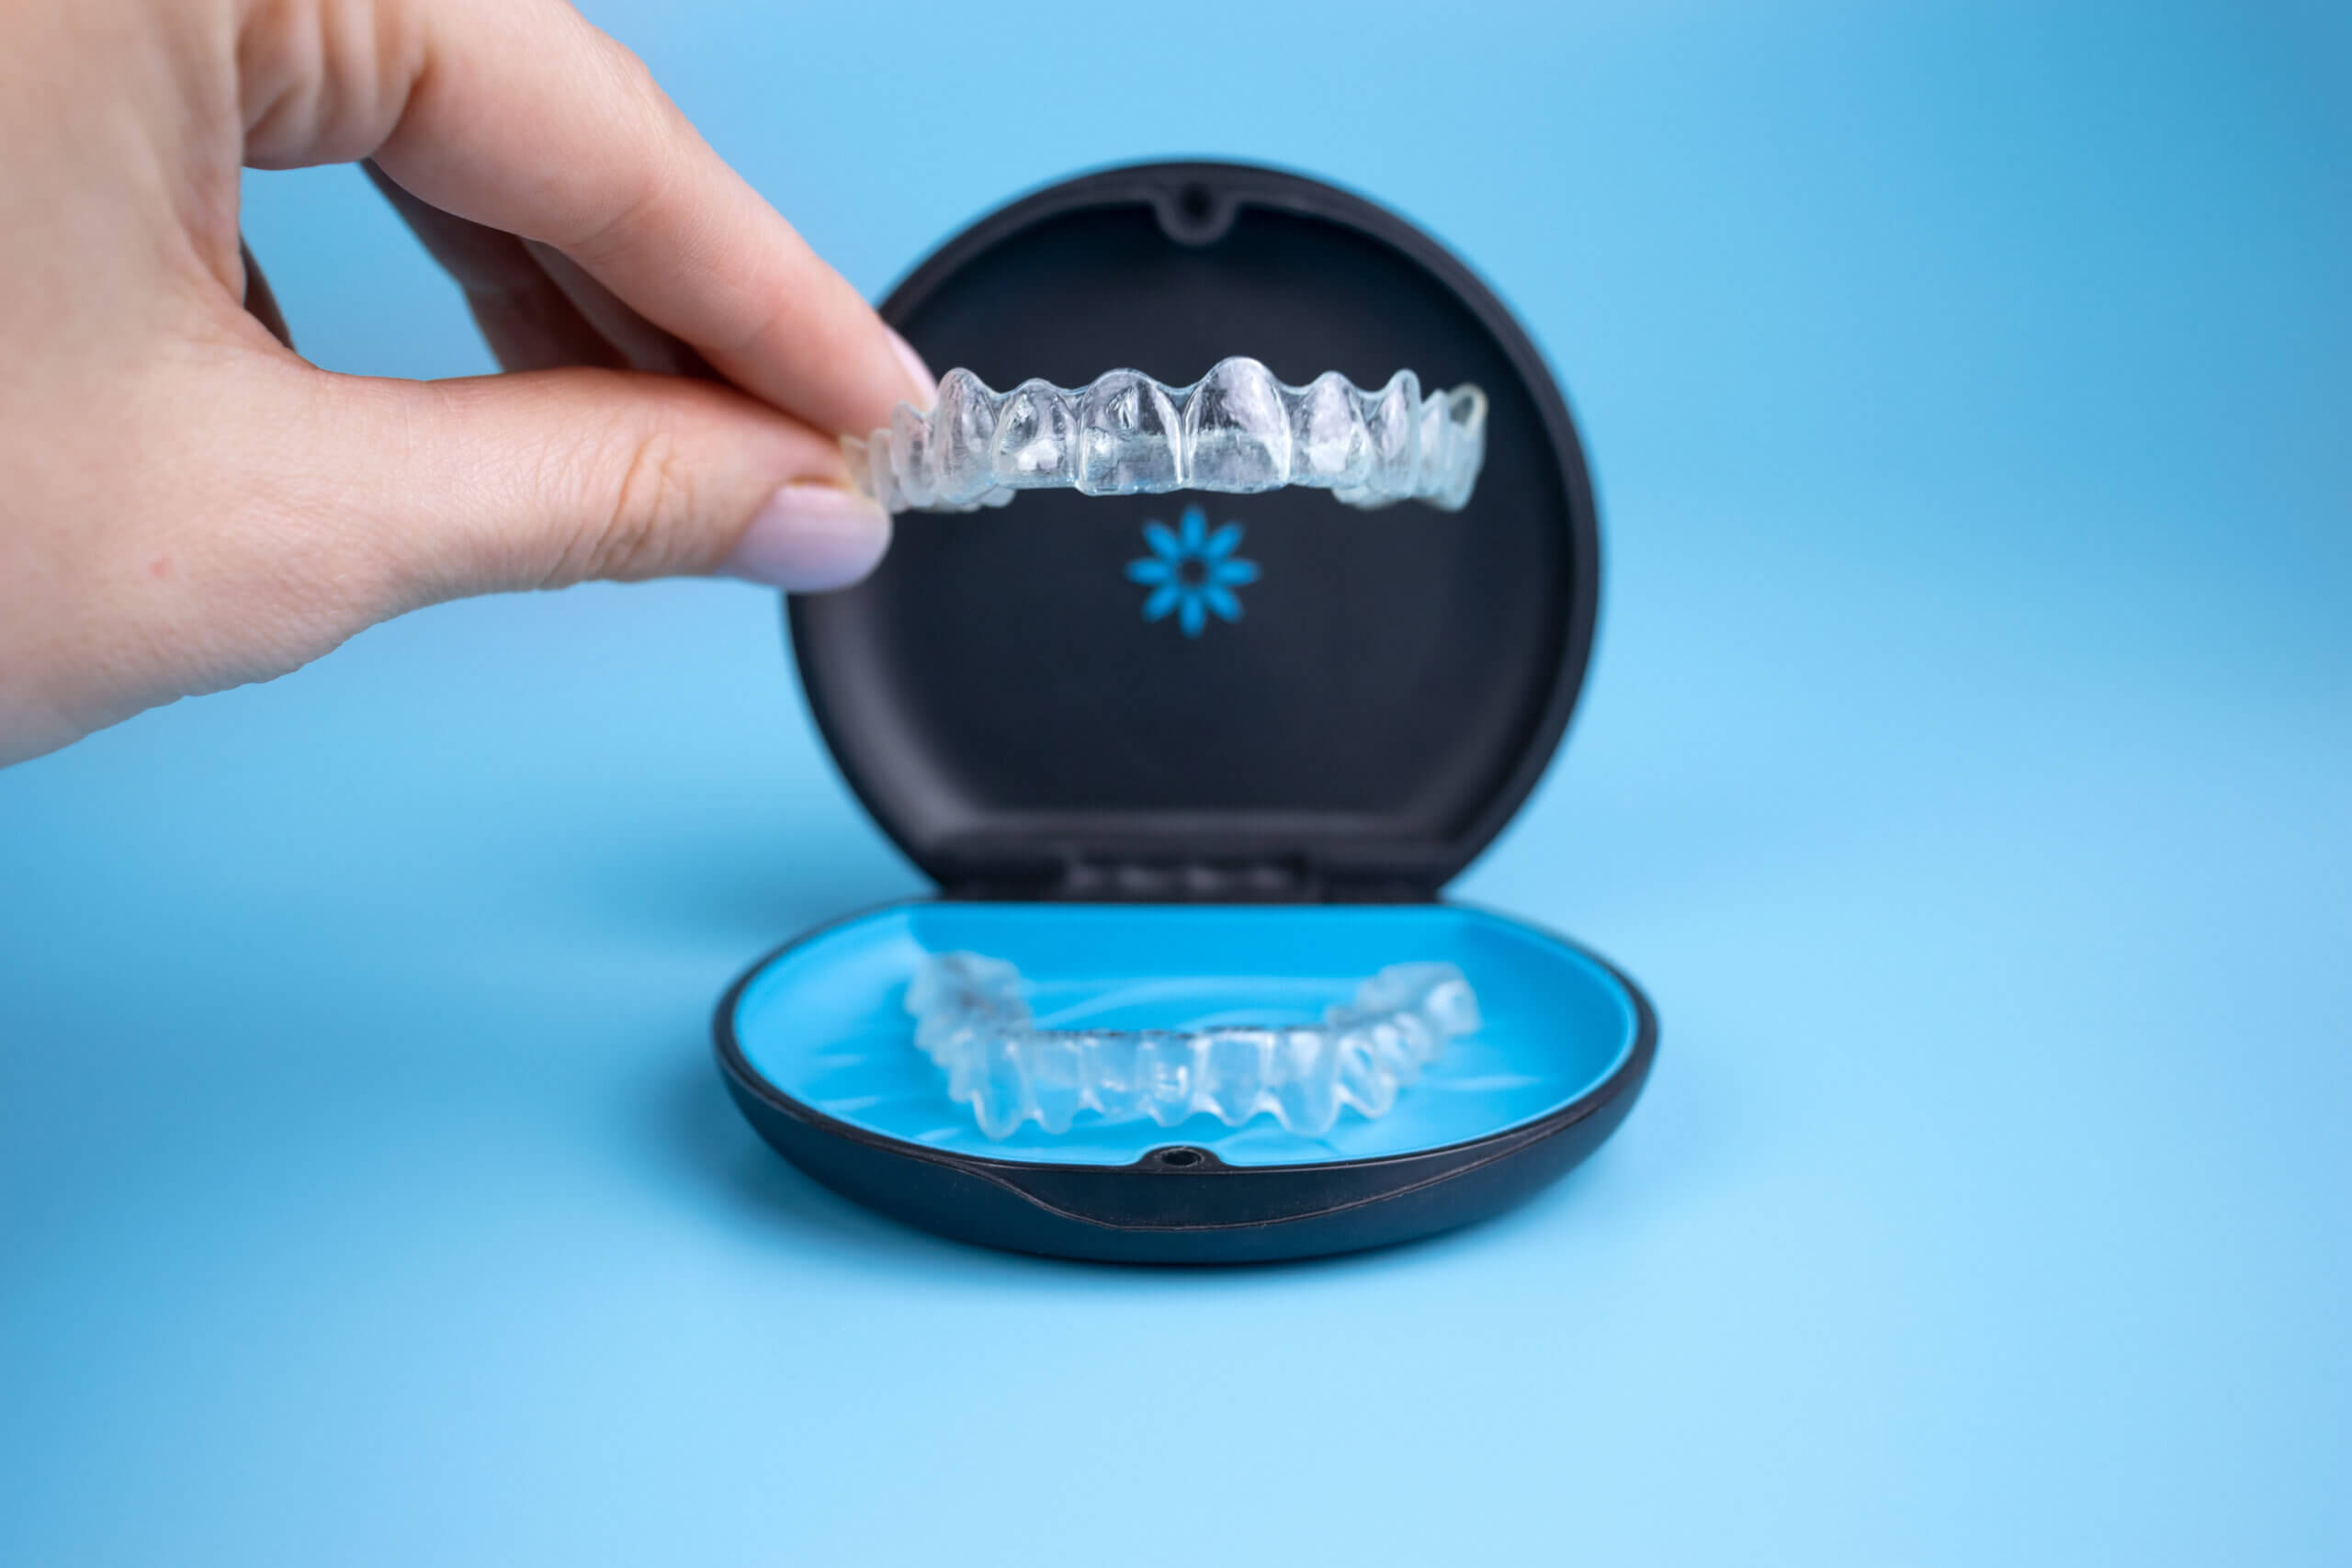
(1966, 770)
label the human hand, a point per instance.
(190, 506)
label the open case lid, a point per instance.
(1396, 681)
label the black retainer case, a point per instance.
(1209, 816)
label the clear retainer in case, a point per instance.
(974, 1020)
(1237, 430)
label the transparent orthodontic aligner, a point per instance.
(974, 1021)
(1237, 430)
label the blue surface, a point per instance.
(827, 1024)
(1965, 772)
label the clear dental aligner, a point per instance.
(1237, 430)
(974, 1020)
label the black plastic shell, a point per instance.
(1401, 677)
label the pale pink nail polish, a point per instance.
(926, 384)
(810, 537)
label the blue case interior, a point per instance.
(825, 1020)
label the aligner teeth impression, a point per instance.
(1237, 430)
(973, 1020)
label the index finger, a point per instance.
(524, 117)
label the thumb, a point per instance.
(551, 477)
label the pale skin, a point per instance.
(188, 505)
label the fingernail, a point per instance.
(811, 538)
(926, 384)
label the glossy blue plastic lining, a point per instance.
(825, 1020)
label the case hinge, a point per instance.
(1284, 880)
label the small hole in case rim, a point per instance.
(1181, 1158)
(1194, 214)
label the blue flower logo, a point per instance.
(1192, 571)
